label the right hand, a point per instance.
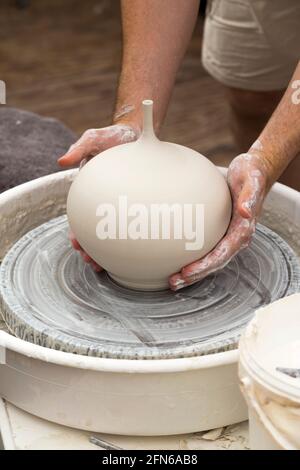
(94, 141)
(90, 144)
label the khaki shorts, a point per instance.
(252, 44)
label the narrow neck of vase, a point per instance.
(148, 130)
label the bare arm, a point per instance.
(156, 34)
(279, 142)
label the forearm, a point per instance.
(156, 34)
(279, 142)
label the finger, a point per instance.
(215, 260)
(251, 197)
(96, 267)
(74, 156)
(86, 258)
(177, 282)
(76, 245)
(237, 238)
(248, 183)
(83, 254)
(89, 145)
(236, 175)
(74, 242)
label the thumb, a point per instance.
(250, 198)
(73, 156)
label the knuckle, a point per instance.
(245, 243)
(89, 133)
(246, 237)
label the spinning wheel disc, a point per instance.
(52, 298)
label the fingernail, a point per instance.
(61, 159)
(178, 284)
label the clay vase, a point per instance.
(143, 210)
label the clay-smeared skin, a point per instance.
(92, 142)
(247, 180)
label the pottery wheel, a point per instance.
(52, 298)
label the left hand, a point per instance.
(249, 183)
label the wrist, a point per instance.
(132, 115)
(129, 123)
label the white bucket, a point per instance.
(272, 341)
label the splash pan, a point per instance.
(125, 396)
(52, 298)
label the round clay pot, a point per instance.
(143, 210)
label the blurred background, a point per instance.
(61, 59)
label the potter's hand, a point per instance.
(94, 141)
(248, 183)
(83, 254)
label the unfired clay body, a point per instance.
(147, 172)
